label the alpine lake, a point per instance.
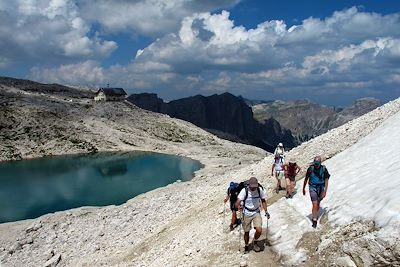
(31, 188)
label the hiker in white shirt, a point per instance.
(249, 201)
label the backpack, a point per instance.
(235, 188)
(319, 174)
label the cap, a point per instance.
(253, 182)
(280, 144)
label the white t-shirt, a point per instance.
(252, 201)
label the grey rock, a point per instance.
(345, 262)
(53, 261)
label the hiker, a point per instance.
(231, 194)
(291, 169)
(280, 150)
(277, 172)
(318, 177)
(248, 202)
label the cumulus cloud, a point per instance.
(146, 17)
(348, 54)
(88, 73)
(47, 31)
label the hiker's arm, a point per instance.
(264, 205)
(226, 198)
(326, 187)
(298, 169)
(305, 183)
(238, 205)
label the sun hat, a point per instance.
(253, 182)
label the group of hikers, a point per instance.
(247, 197)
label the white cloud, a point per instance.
(350, 53)
(47, 31)
(86, 73)
(147, 17)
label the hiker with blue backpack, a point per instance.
(317, 177)
(248, 202)
(231, 195)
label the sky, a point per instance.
(331, 52)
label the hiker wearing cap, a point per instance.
(280, 150)
(231, 194)
(249, 201)
(318, 177)
(291, 169)
(277, 172)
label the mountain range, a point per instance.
(306, 119)
(224, 115)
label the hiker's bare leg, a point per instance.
(233, 220)
(278, 181)
(288, 186)
(315, 209)
(246, 238)
(258, 233)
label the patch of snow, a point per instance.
(363, 186)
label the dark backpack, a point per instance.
(235, 188)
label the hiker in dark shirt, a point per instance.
(317, 177)
(231, 195)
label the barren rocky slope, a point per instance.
(179, 225)
(306, 119)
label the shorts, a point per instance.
(291, 178)
(316, 192)
(256, 219)
(279, 175)
(233, 206)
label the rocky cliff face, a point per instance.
(306, 119)
(225, 115)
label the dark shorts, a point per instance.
(233, 206)
(316, 192)
(291, 178)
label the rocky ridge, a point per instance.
(224, 115)
(307, 120)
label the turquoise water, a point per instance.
(31, 188)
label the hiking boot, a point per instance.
(256, 246)
(287, 195)
(281, 188)
(314, 223)
(231, 227)
(246, 249)
(277, 190)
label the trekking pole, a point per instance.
(223, 222)
(240, 228)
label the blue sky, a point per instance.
(331, 52)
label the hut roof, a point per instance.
(112, 91)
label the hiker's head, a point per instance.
(277, 156)
(280, 145)
(292, 160)
(317, 161)
(253, 183)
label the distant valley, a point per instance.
(307, 120)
